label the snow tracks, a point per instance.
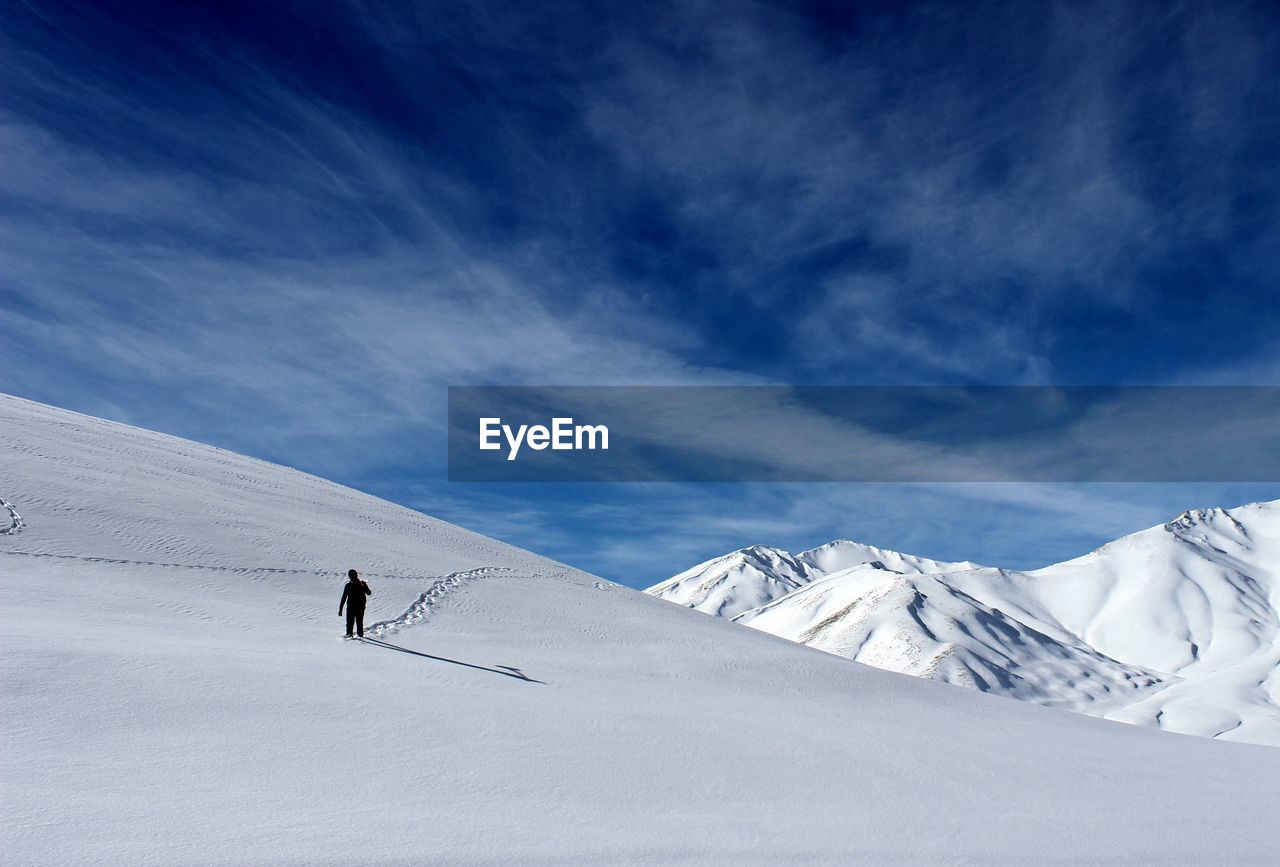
(430, 598)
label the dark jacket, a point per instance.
(353, 594)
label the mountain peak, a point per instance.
(1173, 626)
(1192, 519)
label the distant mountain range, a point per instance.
(1175, 626)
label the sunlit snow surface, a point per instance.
(1175, 627)
(175, 692)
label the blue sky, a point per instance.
(286, 228)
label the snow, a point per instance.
(919, 624)
(175, 692)
(737, 582)
(1176, 627)
(743, 580)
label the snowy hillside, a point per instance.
(1177, 626)
(175, 692)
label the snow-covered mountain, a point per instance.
(174, 691)
(743, 580)
(1177, 626)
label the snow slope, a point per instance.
(174, 692)
(1177, 626)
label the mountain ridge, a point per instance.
(1174, 626)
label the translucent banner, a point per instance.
(864, 434)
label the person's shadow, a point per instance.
(504, 670)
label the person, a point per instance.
(353, 597)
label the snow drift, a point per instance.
(175, 692)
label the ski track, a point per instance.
(440, 587)
(241, 570)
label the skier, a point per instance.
(353, 596)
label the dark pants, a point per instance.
(355, 617)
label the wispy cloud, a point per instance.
(642, 534)
(290, 246)
(950, 195)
